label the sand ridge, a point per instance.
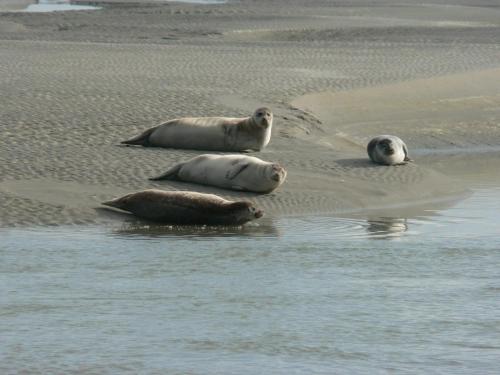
(69, 97)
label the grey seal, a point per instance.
(186, 208)
(210, 133)
(388, 150)
(236, 172)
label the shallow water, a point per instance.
(43, 6)
(198, 1)
(317, 295)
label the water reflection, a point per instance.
(140, 230)
(386, 227)
(137, 228)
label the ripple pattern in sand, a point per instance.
(92, 85)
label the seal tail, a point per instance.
(171, 174)
(141, 139)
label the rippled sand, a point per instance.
(73, 85)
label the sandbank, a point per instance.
(73, 85)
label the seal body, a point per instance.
(210, 133)
(388, 150)
(236, 172)
(186, 207)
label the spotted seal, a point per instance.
(388, 150)
(210, 133)
(186, 208)
(236, 172)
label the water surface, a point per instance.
(316, 295)
(43, 6)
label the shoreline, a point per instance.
(115, 221)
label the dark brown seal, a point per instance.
(186, 207)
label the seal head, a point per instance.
(263, 117)
(277, 173)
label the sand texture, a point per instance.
(336, 73)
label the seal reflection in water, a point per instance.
(210, 133)
(236, 172)
(388, 150)
(186, 207)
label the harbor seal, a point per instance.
(388, 150)
(186, 207)
(210, 133)
(236, 172)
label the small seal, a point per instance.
(186, 208)
(236, 172)
(210, 133)
(388, 150)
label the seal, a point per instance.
(186, 207)
(235, 172)
(388, 150)
(210, 133)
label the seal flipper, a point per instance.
(171, 174)
(407, 158)
(236, 170)
(141, 139)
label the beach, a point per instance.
(75, 84)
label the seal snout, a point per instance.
(387, 147)
(278, 173)
(255, 212)
(265, 121)
(276, 177)
(258, 214)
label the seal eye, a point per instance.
(260, 114)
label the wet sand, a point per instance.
(74, 84)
